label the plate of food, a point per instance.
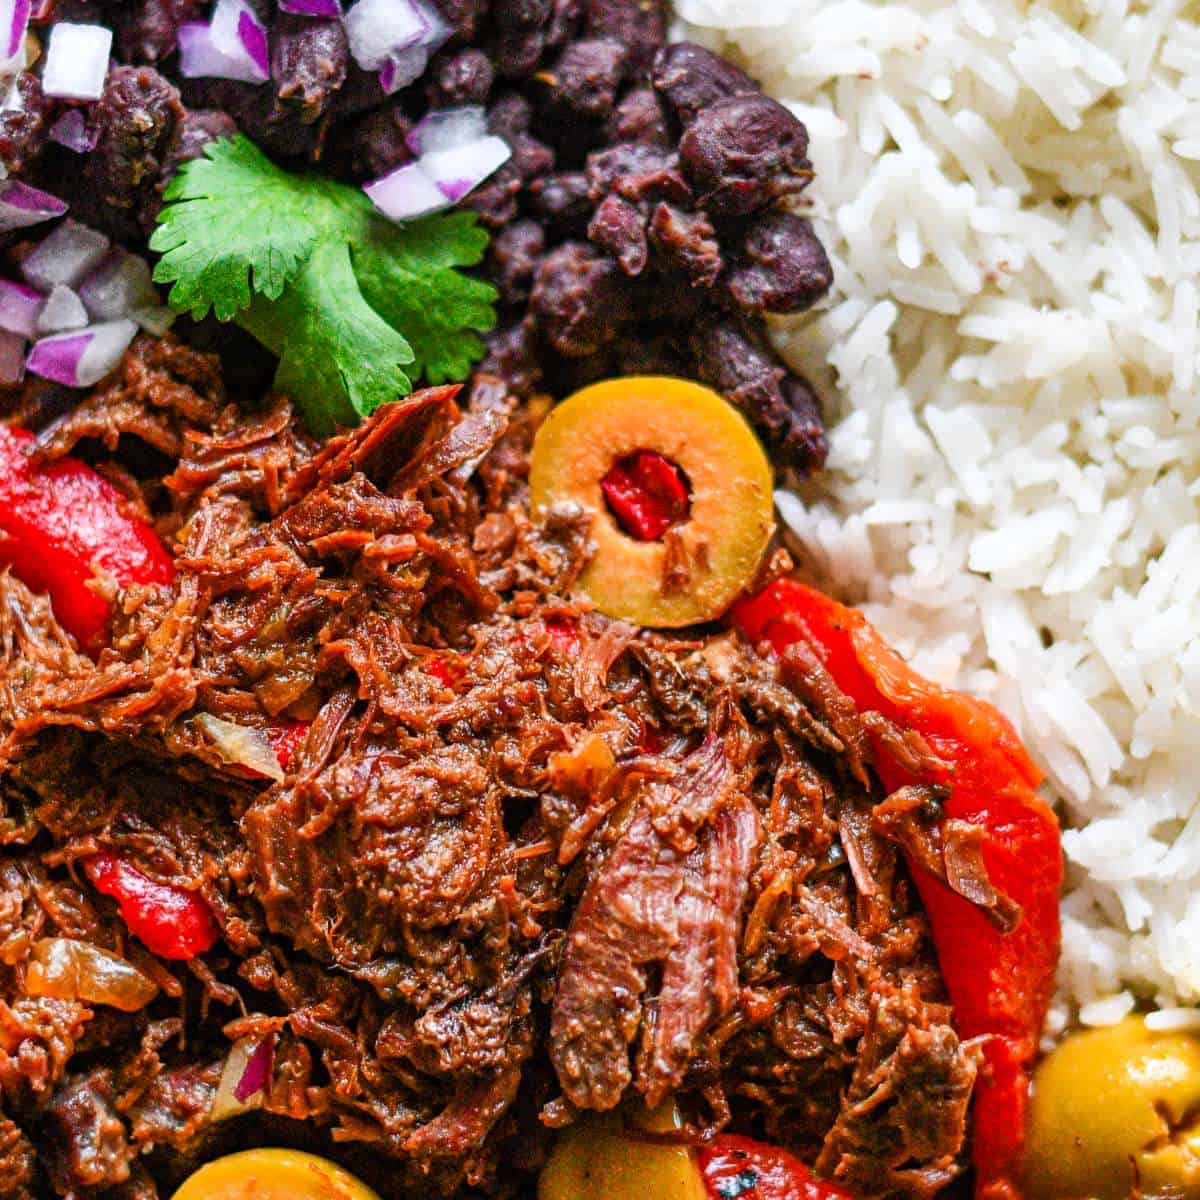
(598, 599)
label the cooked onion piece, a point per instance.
(67, 969)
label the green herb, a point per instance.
(355, 306)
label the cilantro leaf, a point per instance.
(307, 265)
(338, 357)
(230, 215)
(407, 273)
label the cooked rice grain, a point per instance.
(1009, 196)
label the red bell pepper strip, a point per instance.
(647, 495)
(999, 983)
(61, 526)
(286, 737)
(738, 1168)
(171, 921)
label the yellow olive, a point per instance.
(699, 567)
(596, 1159)
(273, 1175)
(1113, 1116)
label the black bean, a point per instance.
(640, 25)
(23, 125)
(495, 200)
(509, 115)
(378, 143)
(148, 30)
(744, 153)
(308, 63)
(638, 118)
(586, 76)
(691, 79)
(512, 258)
(465, 17)
(781, 267)
(619, 229)
(511, 356)
(561, 202)
(687, 242)
(579, 299)
(461, 77)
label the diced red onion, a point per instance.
(405, 193)
(459, 170)
(76, 61)
(119, 285)
(84, 358)
(239, 34)
(312, 8)
(22, 206)
(379, 29)
(245, 1077)
(14, 21)
(63, 310)
(66, 256)
(199, 58)
(403, 68)
(445, 128)
(12, 358)
(19, 308)
(71, 130)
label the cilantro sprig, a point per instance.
(356, 307)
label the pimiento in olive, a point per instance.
(1113, 1116)
(678, 490)
(273, 1175)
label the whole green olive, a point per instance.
(1113, 1116)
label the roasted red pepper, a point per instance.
(286, 737)
(647, 495)
(738, 1168)
(999, 983)
(170, 921)
(63, 526)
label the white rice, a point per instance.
(1008, 192)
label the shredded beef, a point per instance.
(507, 877)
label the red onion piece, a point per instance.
(63, 310)
(245, 1078)
(84, 358)
(405, 193)
(120, 285)
(19, 308)
(71, 130)
(445, 128)
(379, 29)
(199, 58)
(257, 1074)
(76, 61)
(312, 8)
(240, 36)
(459, 170)
(22, 206)
(14, 21)
(66, 256)
(403, 68)
(12, 358)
